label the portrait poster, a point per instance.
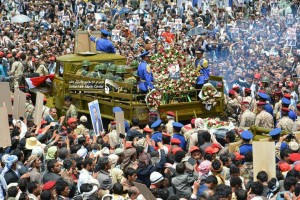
(178, 24)
(136, 20)
(291, 37)
(172, 26)
(174, 71)
(115, 35)
(66, 20)
(234, 33)
(290, 19)
(5, 98)
(60, 15)
(96, 117)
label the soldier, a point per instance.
(232, 104)
(41, 69)
(275, 135)
(16, 71)
(29, 108)
(156, 135)
(177, 134)
(202, 68)
(250, 99)
(236, 88)
(264, 98)
(145, 73)
(286, 103)
(103, 44)
(277, 106)
(81, 128)
(247, 118)
(285, 123)
(71, 112)
(169, 125)
(120, 73)
(84, 67)
(112, 69)
(263, 118)
(95, 73)
(265, 81)
(246, 146)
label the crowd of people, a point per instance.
(253, 45)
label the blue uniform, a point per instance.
(156, 136)
(204, 72)
(181, 138)
(292, 115)
(245, 148)
(103, 44)
(146, 79)
(269, 109)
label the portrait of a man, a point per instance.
(96, 117)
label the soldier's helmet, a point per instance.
(84, 73)
(112, 68)
(103, 66)
(86, 63)
(109, 76)
(96, 68)
(118, 78)
(265, 79)
(135, 74)
(120, 70)
(134, 64)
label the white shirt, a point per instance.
(84, 177)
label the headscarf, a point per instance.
(113, 158)
(8, 160)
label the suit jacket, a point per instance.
(99, 128)
(11, 177)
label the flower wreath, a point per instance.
(153, 99)
(207, 95)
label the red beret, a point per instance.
(147, 130)
(113, 123)
(72, 120)
(49, 185)
(43, 122)
(244, 102)
(28, 95)
(170, 113)
(176, 149)
(45, 99)
(284, 167)
(288, 96)
(261, 103)
(298, 106)
(247, 90)
(257, 76)
(216, 145)
(175, 141)
(194, 148)
(235, 87)
(152, 114)
(278, 93)
(262, 91)
(238, 156)
(194, 119)
(22, 86)
(294, 157)
(52, 58)
(283, 109)
(231, 92)
(291, 84)
(211, 150)
(9, 55)
(128, 145)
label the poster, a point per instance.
(178, 24)
(264, 151)
(96, 117)
(38, 110)
(291, 37)
(234, 33)
(5, 100)
(66, 20)
(174, 71)
(19, 104)
(136, 20)
(4, 128)
(172, 26)
(290, 19)
(98, 16)
(119, 117)
(60, 15)
(115, 35)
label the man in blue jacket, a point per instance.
(103, 43)
(202, 68)
(145, 73)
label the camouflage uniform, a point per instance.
(232, 105)
(81, 130)
(29, 109)
(286, 124)
(264, 119)
(41, 70)
(17, 71)
(71, 112)
(252, 102)
(277, 108)
(169, 127)
(247, 119)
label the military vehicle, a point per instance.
(111, 90)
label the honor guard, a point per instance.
(103, 44)
(145, 73)
(202, 69)
(246, 136)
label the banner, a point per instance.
(96, 117)
(5, 97)
(37, 81)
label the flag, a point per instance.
(36, 81)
